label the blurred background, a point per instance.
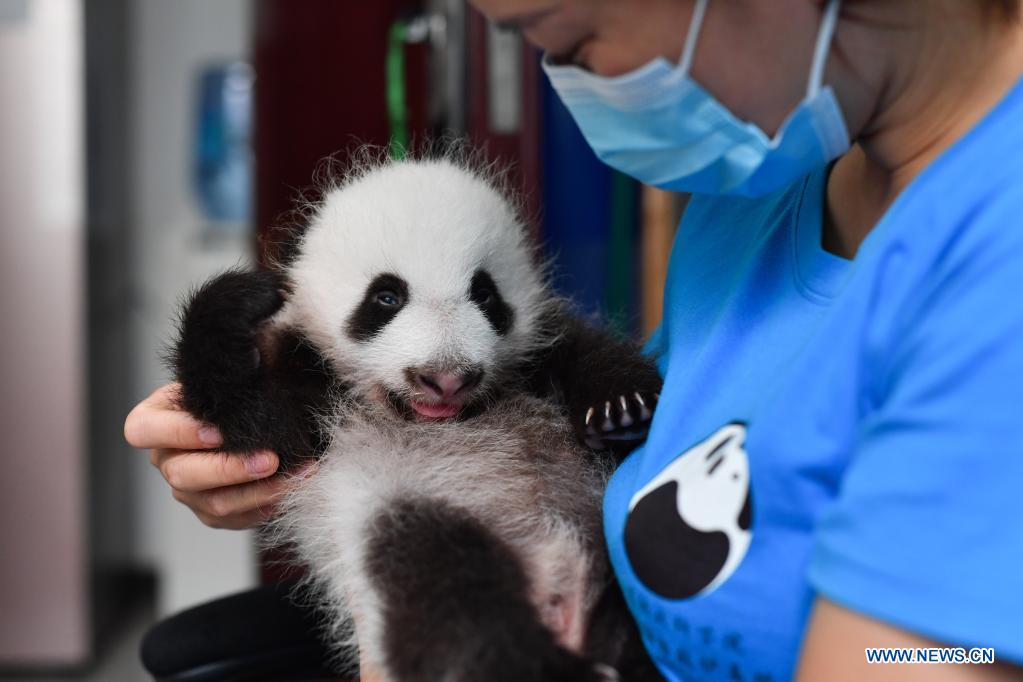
(146, 144)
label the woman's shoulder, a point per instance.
(962, 217)
(961, 220)
(977, 183)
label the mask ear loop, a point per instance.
(684, 64)
(822, 48)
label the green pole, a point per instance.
(397, 104)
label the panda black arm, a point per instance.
(260, 386)
(609, 387)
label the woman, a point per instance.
(833, 463)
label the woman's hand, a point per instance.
(224, 490)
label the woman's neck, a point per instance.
(945, 78)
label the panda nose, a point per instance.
(446, 386)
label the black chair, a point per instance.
(255, 635)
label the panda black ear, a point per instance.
(484, 293)
(385, 296)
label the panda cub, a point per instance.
(464, 424)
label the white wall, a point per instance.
(44, 608)
(171, 40)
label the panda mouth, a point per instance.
(435, 410)
(417, 409)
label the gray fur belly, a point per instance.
(516, 468)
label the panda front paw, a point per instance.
(622, 419)
(219, 341)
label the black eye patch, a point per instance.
(385, 296)
(484, 293)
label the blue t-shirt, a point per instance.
(846, 429)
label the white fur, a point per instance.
(433, 223)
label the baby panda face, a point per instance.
(416, 281)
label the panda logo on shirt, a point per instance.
(688, 529)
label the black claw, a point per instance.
(645, 407)
(625, 419)
(622, 419)
(608, 424)
(605, 673)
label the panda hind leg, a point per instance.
(454, 602)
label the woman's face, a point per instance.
(753, 55)
(600, 36)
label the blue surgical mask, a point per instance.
(659, 126)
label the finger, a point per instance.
(227, 505)
(198, 471)
(157, 422)
(166, 396)
(251, 519)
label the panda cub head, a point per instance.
(416, 280)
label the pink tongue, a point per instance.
(437, 411)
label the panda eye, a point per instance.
(388, 298)
(483, 295)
